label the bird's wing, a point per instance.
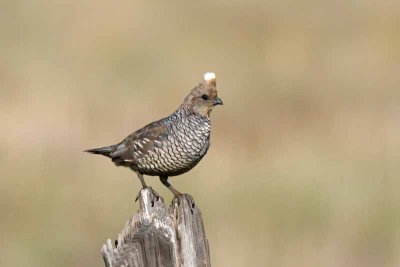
(139, 143)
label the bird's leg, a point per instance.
(164, 181)
(144, 185)
(177, 194)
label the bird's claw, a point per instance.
(154, 193)
(179, 198)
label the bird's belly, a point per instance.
(175, 156)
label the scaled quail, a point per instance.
(173, 145)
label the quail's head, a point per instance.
(203, 98)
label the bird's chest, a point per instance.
(191, 138)
(185, 144)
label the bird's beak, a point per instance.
(218, 101)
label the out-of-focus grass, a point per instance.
(303, 168)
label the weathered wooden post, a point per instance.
(160, 236)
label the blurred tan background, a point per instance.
(304, 164)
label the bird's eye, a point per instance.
(205, 97)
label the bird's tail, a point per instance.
(105, 151)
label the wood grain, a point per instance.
(160, 236)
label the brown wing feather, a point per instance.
(137, 144)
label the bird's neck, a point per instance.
(189, 110)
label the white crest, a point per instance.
(209, 76)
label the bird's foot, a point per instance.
(155, 195)
(180, 198)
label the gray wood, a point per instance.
(160, 236)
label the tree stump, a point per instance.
(160, 236)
